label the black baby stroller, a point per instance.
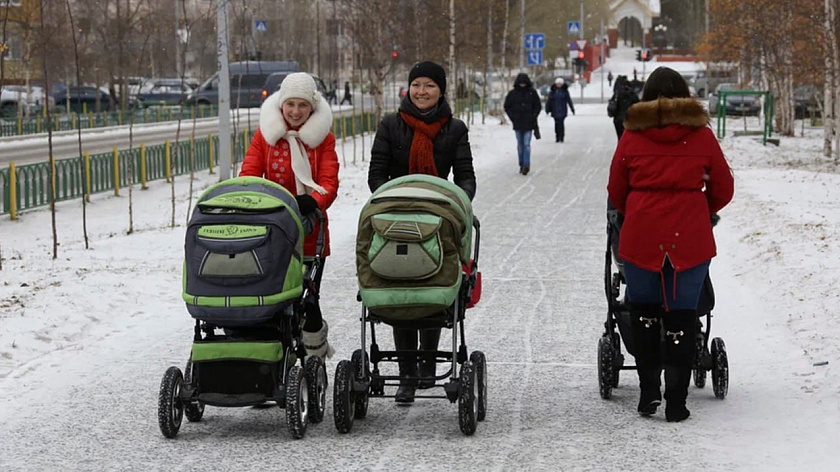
(245, 283)
(416, 270)
(610, 358)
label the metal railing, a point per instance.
(28, 186)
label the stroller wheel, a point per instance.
(297, 402)
(316, 379)
(720, 368)
(699, 366)
(605, 367)
(170, 406)
(467, 401)
(194, 411)
(360, 370)
(344, 404)
(478, 360)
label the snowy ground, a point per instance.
(86, 337)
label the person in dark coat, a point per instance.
(558, 105)
(610, 78)
(421, 138)
(624, 97)
(667, 178)
(347, 96)
(523, 106)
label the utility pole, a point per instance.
(522, 39)
(318, 36)
(178, 39)
(581, 19)
(224, 90)
(601, 49)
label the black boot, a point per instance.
(525, 170)
(680, 331)
(406, 340)
(427, 368)
(647, 339)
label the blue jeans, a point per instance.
(523, 147)
(681, 291)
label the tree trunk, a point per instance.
(829, 120)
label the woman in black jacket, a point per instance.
(421, 138)
(523, 106)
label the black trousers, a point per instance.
(619, 128)
(314, 318)
(560, 129)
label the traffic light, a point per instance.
(646, 55)
(394, 54)
(638, 54)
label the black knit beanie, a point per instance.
(431, 70)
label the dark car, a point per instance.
(273, 81)
(82, 99)
(164, 92)
(807, 101)
(246, 81)
(737, 105)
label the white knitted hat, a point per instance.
(559, 81)
(299, 85)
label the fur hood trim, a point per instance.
(666, 111)
(312, 133)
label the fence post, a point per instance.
(73, 120)
(119, 117)
(87, 174)
(20, 126)
(90, 120)
(246, 140)
(116, 172)
(167, 152)
(211, 150)
(38, 123)
(143, 167)
(12, 191)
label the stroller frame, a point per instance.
(355, 382)
(610, 358)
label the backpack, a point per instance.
(612, 107)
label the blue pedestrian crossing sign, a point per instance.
(261, 26)
(534, 58)
(534, 41)
(574, 27)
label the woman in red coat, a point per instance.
(295, 148)
(668, 176)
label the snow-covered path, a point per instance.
(86, 338)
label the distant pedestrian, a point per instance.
(624, 98)
(522, 105)
(347, 97)
(332, 97)
(558, 105)
(635, 75)
(610, 78)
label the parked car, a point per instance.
(273, 81)
(807, 100)
(25, 100)
(738, 105)
(246, 83)
(79, 99)
(164, 92)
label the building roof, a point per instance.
(651, 7)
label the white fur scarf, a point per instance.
(312, 133)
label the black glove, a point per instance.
(306, 204)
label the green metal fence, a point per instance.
(72, 121)
(139, 165)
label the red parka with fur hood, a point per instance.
(269, 157)
(667, 177)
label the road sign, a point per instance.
(581, 44)
(574, 28)
(261, 26)
(534, 41)
(534, 58)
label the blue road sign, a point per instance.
(534, 41)
(261, 26)
(574, 27)
(534, 58)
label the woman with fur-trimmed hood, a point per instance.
(668, 176)
(294, 147)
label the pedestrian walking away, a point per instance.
(293, 146)
(522, 106)
(421, 138)
(610, 78)
(623, 98)
(347, 96)
(558, 105)
(667, 178)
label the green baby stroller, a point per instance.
(416, 269)
(245, 283)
